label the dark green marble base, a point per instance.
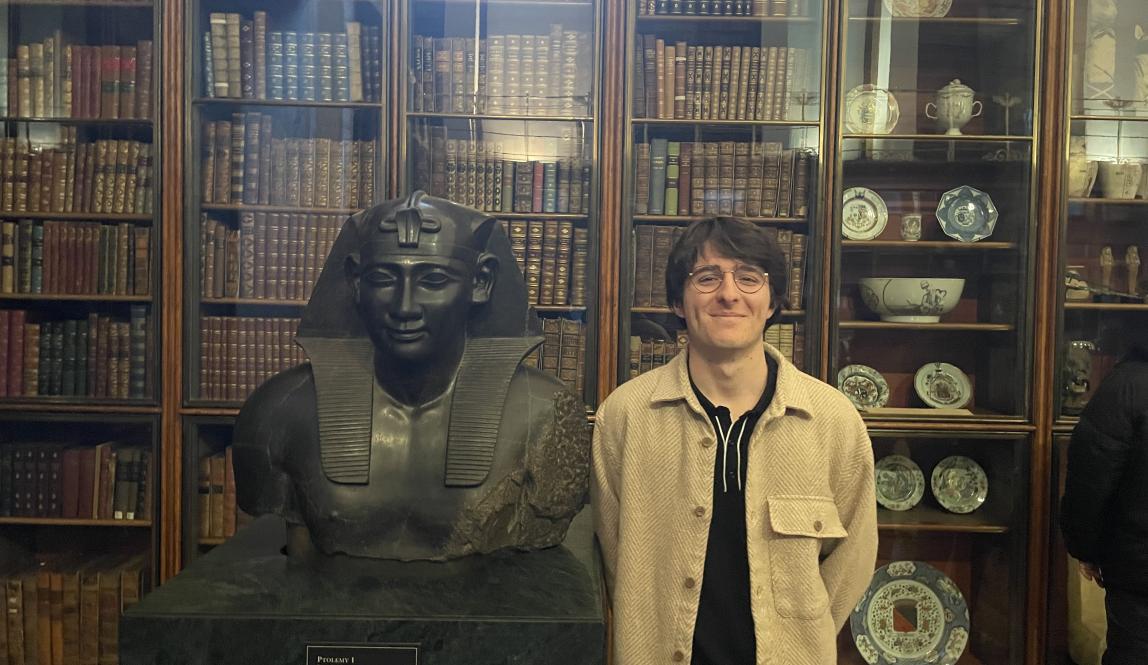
(246, 604)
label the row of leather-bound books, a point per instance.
(722, 7)
(66, 610)
(563, 351)
(244, 162)
(74, 258)
(106, 481)
(273, 256)
(553, 257)
(480, 175)
(653, 244)
(51, 79)
(237, 353)
(694, 82)
(101, 356)
(753, 178)
(247, 59)
(219, 515)
(503, 74)
(650, 353)
(102, 176)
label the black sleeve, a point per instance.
(1096, 458)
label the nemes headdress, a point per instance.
(499, 334)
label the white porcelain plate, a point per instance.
(900, 483)
(943, 386)
(870, 110)
(960, 484)
(863, 214)
(864, 386)
(919, 8)
(967, 214)
(911, 614)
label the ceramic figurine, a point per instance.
(1132, 262)
(1077, 375)
(954, 107)
(911, 227)
(1081, 170)
(1107, 261)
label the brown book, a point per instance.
(89, 628)
(237, 154)
(70, 616)
(141, 268)
(44, 615)
(735, 82)
(643, 266)
(663, 242)
(229, 506)
(127, 82)
(679, 99)
(669, 79)
(109, 614)
(222, 169)
(14, 618)
(685, 178)
(143, 83)
(265, 160)
(110, 82)
(252, 123)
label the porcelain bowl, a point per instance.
(911, 299)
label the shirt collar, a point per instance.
(674, 385)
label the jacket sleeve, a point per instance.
(847, 570)
(1096, 457)
(604, 494)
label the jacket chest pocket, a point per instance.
(799, 528)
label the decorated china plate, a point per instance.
(863, 214)
(967, 214)
(870, 110)
(960, 484)
(864, 386)
(919, 8)
(943, 386)
(911, 614)
(900, 483)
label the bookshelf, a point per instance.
(288, 119)
(501, 113)
(722, 116)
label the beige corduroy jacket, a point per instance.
(810, 515)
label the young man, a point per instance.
(733, 493)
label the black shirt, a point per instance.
(723, 633)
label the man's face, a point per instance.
(726, 319)
(414, 306)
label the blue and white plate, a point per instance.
(911, 614)
(967, 214)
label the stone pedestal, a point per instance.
(245, 603)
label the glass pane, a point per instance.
(501, 117)
(288, 115)
(725, 119)
(78, 207)
(210, 514)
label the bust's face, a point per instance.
(414, 305)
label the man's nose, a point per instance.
(728, 291)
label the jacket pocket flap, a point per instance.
(809, 516)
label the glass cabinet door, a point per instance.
(501, 115)
(287, 119)
(1104, 302)
(724, 117)
(932, 271)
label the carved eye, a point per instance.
(435, 280)
(380, 279)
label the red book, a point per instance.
(85, 482)
(95, 80)
(16, 351)
(536, 193)
(110, 82)
(70, 484)
(4, 320)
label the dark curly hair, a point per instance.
(733, 238)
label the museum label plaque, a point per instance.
(362, 654)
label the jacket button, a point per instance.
(706, 443)
(679, 656)
(690, 582)
(817, 525)
(700, 512)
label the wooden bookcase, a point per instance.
(80, 304)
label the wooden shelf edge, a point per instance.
(927, 244)
(1104, 201)
(488, 116)
(737, 123)
(72, 297)
(59, 521)
(930, 422)
(721, 18)
(686, 219)
(942, 326)
(288, 103)
(240, 207)
(8, 404)
(987, 529)
(943, 20)
(1106, 307)
(960, 138)
(265, 302)
(1086, 116)
(76, 216)
(68, 120)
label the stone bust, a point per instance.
(414, 432)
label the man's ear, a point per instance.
(677, 307)
(351, 272)
(485, 275)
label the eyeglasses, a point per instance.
(709, 278)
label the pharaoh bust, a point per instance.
(415, 431)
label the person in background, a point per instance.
(1104, 512)
(733, 494)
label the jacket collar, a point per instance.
(674, 385)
